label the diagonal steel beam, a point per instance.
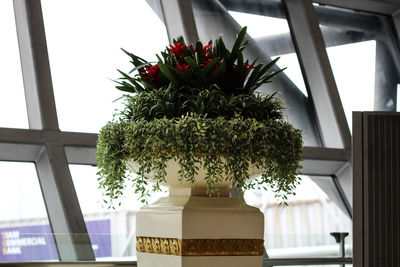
(179, 20)
(318, 74)
(38, 86)
(62, 205)
(388, 7)
(342, 18)
(281, 44)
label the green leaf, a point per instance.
(164, 69)
(140, 66)
(238, 42)
(199, 51)
(192, 63)
(135, 59)
(271, 64)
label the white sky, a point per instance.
(84, 50)
(12, 99)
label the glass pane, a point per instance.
(25, 234)
(355, 77)
(12, 98)
(266, 38)
(85, 54)
(302, 229)
(112, 231)
(364, 57)
(269, 37)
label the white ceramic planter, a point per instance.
(172, 177)
(191, 229)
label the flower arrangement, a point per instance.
(198, 105)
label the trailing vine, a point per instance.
(219, 145)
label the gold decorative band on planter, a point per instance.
(200, 247)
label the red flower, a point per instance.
(207, 61)
(152, 74)
(182, 68)
(247, 66)
(207, 52)
(179, 50)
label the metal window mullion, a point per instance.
(62, 205)
(35, 65)
(387, 7)
(55, 179)
(343, 198)
(80, 148)
(317, 73)
(396, 24)
(179, 20)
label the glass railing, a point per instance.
(281, 250)
(306, 246)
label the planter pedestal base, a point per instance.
(156, 260)
(185, 230)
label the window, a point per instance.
(85, 54)
(364, 58)
(24, 228)
(301, 229)
(12, 97)
(112, 231)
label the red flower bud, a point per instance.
(179, 51)
(182, 68)
(247, 66)
(152, 74)
(207, 51)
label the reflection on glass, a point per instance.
(277, 31)
(364, 57)
(256, 24)
(25, 234)
(355, 78)
(85, 54)
(302, 229)
(293, 71)
(112, 231)
(12, 98)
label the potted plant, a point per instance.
(194, 119)
(199, 106)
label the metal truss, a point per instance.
(328, 146)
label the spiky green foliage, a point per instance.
(210, 81)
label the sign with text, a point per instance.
(27, 243)
(100, 236)
(36, 243)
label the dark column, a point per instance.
(376, 189)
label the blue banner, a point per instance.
(36, 243)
